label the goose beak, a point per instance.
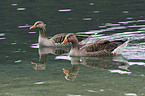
(65, 71)
(34, 26)
(65, 40)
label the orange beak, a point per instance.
(65, 71)
(34, 26)
(65, 40)
(35, 68)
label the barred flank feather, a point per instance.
(95, 46)
(59, 37)
(101, 45)
(99, 53)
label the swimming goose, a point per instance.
(55, 40)
(98, 48)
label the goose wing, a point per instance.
(58, 38)
(102, 45)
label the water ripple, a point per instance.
(136, 46)
(130, 94)
(87, 19)
(24, 26)
(2, 36)
(21, 9)
(39, 83)
(64, 10)
(14, 4)
(120, 71)
(73, 95)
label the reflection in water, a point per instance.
(135, 49)
(15, 80)
(71, 73)
(41, 65)
(43, 53)
(118, 62)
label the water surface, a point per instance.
(27, 70)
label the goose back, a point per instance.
(58, 38)
(102, 45)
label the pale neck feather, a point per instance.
(43, 40)
(75, 50)
(42, 32)
(75, 44)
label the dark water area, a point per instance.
(26, 70)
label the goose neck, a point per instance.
(42, 32)
(75, 45)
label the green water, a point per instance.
(26, 70)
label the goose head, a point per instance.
(39, 25)
(70, 38)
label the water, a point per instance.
(28, 71)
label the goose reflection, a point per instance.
(41, 65)
(71, 73)
(43, 53)
(118, 62)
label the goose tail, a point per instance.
(120, 48)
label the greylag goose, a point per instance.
(98, 48)
(55, 40)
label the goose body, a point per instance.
(56, 39)
(98, 48)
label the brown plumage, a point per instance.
(56, 39)
(98, 48)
